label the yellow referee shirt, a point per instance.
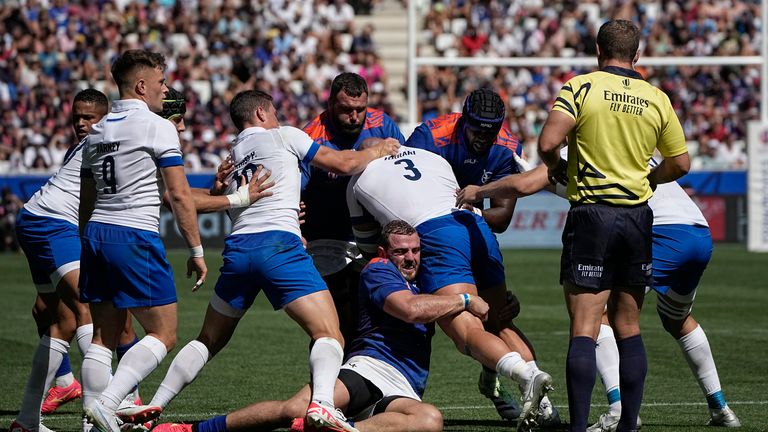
(620, 120)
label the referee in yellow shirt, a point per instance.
(612, 120)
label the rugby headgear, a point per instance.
(484, 109)
(174, 104)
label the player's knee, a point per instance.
(293, 408)
(428, 419)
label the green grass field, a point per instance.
(267, 357)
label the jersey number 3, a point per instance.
(415, 174)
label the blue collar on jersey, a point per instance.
(622, 72)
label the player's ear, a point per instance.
(381, 253)
(637, 57)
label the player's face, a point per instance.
(178, 122)
(479, 140)
(154, 88)
(84, 116)
(348, 113)
(405, 252)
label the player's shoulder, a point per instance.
(316, 128)
(374, 118)
(377, 263)
(440, 129)
(290, 132)
(506, 140)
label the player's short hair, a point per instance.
(174, 104)
(129, 61)
(395, 227)
(245, 103)
(618, 40)
(484, 109)
(353, 84)
(92, 96)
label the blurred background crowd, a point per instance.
(50, 49)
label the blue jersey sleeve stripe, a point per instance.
(86, 173)
(311, 153)
(170, 161)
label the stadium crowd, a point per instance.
(52, 48)
(714, 103)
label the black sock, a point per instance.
(580, 370)
(633, 366)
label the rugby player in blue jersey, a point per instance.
(385, 373)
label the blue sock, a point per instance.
(580, 370)
(65, 367)
(614, 396)
(216, 424)
(122, 349)
(716, 400)
(633, 365)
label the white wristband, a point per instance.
(466, 298)
(239, 198)
(196, 252)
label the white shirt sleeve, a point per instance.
(166, 147)
(299, 143)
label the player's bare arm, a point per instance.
(349, 162)
(515, 185)
(553, 134)
(670, 169)
(246, 194)
(87, 202)
(183, 208)
(424, 308)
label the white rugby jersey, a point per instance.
(280, 151)
(414, 185)
(672, 206)
(123, 153)
(59, 198)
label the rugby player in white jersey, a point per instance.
(264, 252)
(682, 248)
(459, 254)
(47, 232)
(129, 158)
(384, 376)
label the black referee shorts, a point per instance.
(607, 246)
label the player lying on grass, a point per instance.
(682, 248)
(385, 373)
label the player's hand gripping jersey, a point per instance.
(280, 151)
(414, 185)
(123, 154)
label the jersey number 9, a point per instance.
(108, 174)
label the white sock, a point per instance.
(64, 380)
(607, 357)
(45, 361)
(512, 366)
(83, 335)
(184, 369)
(324, 362)
(697, 352)
(135, 365)
(95, 373)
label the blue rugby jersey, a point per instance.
(404, 346)
(443, 136)
(324, 192)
